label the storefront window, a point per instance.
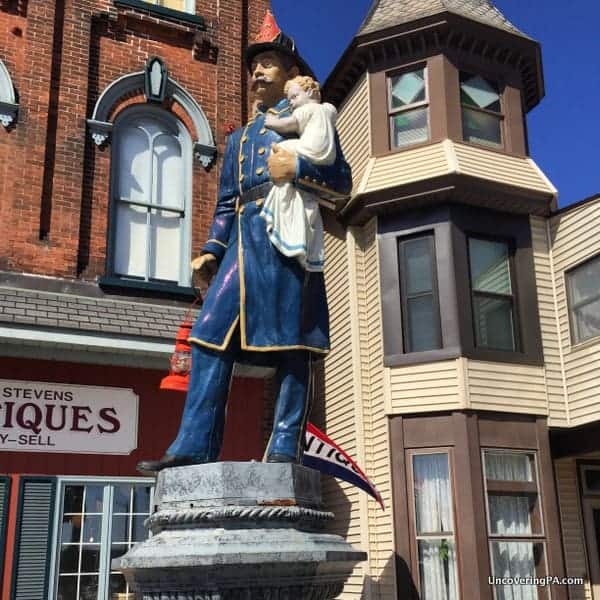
(98, 522)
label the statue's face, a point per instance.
(269, 77)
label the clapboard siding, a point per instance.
(377, 448)
(406, 167)
(353, 126)
(335, 405)
(575, 237)
(506, 387)
(571, 521)
(553, 353)
(504, 168)
(425, 388)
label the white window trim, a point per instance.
(133, 112)
(63, 481)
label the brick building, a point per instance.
(113, 118)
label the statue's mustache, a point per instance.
(261, 79)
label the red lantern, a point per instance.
(178, 378)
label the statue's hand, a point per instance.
(204, 268)
(282, 164)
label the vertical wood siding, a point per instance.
(572, 527)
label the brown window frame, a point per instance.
(392, 112)
(501, 115)
(572, 305)
(412, 519)
(537, 539)
(510, 244)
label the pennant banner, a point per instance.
(323, 454)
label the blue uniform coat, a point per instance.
(277, 304)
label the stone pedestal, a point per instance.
(239, 531)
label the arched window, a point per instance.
(150, 197)
(8, 101)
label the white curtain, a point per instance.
(433, 508)
(514, 559)
(504, 466)
(509, 515)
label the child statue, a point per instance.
(294, 223)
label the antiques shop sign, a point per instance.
(50, 417)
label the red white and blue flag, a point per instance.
(323, 454)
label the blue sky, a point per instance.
(564, 129)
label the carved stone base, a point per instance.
(239, 531)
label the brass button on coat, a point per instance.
(262, 150)
(244, 139)
(242, 158)
(263, 131)
(260, 171)
(260, 202)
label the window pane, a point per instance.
(437, 569)
(130, 245)
(490, 267)
(477, 91)
(493, 323)
(71, 528)
(120, 528)
(90, 558)
(69, 559)
(584, 281)
(481, 128)
(141, 499)
(168, 172)
(138, 532)
(423, 330)
(94, 498)
(88, 587)
(586, 320)
(410, 127)
(92, 527)
(73, 500)
(408, 88)
(504, 466)
(592, 480)
(135, 164)
(121, 498)
(510, 514)
(418, 263)
(117, 585)
(514, 559)
(67, 587)
(165, 245)
(433, 500)
(174, 4)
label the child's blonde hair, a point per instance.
(307, 84)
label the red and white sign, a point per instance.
(53, 417)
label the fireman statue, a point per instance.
(261, 303)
